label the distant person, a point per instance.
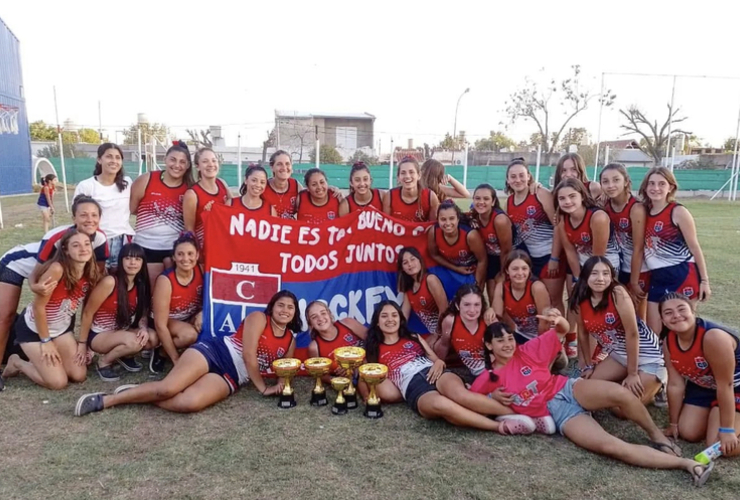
(46, 200)
(111, 188)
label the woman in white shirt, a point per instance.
(111, 188)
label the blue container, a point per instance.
(16, 167)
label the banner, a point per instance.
(349, 262)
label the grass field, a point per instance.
(246, 447)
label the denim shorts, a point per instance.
(564, 406)
(658, 370)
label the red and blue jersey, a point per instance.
(159, 219)
(469, 346)
(691, 362)
(522, 311)
(345, 338)
(376, 201)
(185, 300)
(104, 319)
(269, 348)
(418, 210)
(665, 245)
(312, 214)
(459, 252)
(582, 238)
(284, 203)
(488, 233)
(203, 198)
(423, 304)
(622, 224)
(61, 308)
(404, 359)
(533, 227)
(264, 211)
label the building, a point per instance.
(296, 132)
(15, 140)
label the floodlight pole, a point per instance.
(735, 163)
(598, 132)
(61, 151)
(537, 168)
(390, 168)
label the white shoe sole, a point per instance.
(126, 387)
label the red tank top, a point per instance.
(345, 338)
(469, 346)
(522, 311)
(691, 362)
(416, 211)
(622, 224)
(61, 308)
(533, 226)
(423, 304)
(458, 253)
(203, 198)
(284, 203)
(375, 201)
(314, 215)
(582, 238)
(104, 319)
(488, 233)
(269, 347)
(186, 300)
(262, 212)
(159, 214)
(404, 359)
(665, 245)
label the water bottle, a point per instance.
(710, 454)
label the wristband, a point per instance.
(46, 340)
(554, 259)
(726, 430)
(575, 280)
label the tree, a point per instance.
(452, 143)
(578, 136)
(88, 136)
(40, 131)
(729, 145)
(148, 130)
(537, 104)
(360, 155)
(70, 151)
(329, 154)
(200, 138)
(270, 142)
(301, 135)
(496, 141)
(654, 138)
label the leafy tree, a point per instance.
(496, 141)
(89, 136)
(729, 145)
(532, 102)
(148, 130)
(329, 154)
(655, 139)
(363, 157)
(578, 136)
(452, 143)
(40, 131)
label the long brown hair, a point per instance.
(668, 176)
(90, 272)
(619, 167)
(577, 161)
(432, 173)
(576, 185)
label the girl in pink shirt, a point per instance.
(519, 376)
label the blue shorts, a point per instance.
(564, 405)
(219, 361)
(494, 266)
(682, 278)
(10, 277)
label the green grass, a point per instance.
(246, 447)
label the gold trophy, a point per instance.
(286, 368)
(340, 405)
(317, 368)
(350, 358)
(373, 374)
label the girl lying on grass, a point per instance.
(523, 372)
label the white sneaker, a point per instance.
(515, 424)
(125, 387)
(545, 425)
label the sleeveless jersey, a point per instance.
(523, 312)
(312, 214)
(376, 201)
(345, 338)
(269, 349)
(263, 212)
(581, 237)
(22, 259)
(186, 300)
(404, 359)
(458, 253)
(533, 226)
(606, 327)
(469, 346)
(203, 197)
(665, 245)
(488, 233)
(104, 319)
(42, 197)
(423, 304)
(691, 362)
(284, 203)
(622, 224)
(159, 215)
(60, 309)
(416, 211)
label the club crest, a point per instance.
(701, 363)
(658, 226)
(610, 319)
(408, 345)
(280, 352)
(531, 309)
(531, 210)
(526, 371)
(585, 237)
(688, 291)
(331, 215)
(624, 223)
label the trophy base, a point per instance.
(373, 411)
(339, 408)
(319, 399)
(351, 401)
(286, 401)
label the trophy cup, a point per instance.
(350, 358)
(340, 405)
(317, 368)
(373, 374)
(286, 368)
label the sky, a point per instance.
(194, 64)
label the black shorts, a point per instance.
(24, 334)
(494, 267)
(10, 277)
(156, 256)
(418, 386)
